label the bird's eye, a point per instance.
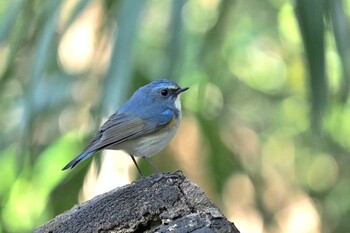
(164, 92)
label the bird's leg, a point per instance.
(152, 165)
(137, 166)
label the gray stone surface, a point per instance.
(159, 203)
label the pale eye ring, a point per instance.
(164, 92)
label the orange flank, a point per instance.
(171, 123)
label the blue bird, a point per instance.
(143, 126)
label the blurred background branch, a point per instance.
(267, 111)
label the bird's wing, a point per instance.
(122, 127)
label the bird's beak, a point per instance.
(182, 90)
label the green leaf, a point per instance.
(119, 77)
(310, 15)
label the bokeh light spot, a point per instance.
(322, 172)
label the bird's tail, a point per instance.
(78, 160)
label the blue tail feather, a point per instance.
(78, 160)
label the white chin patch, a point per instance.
(178, 102)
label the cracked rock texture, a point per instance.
(159, 203)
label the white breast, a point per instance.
(178, 103)
(151, 144)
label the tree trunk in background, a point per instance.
(166, 203)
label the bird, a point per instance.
(143, 126)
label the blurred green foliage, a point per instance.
(266, 121)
